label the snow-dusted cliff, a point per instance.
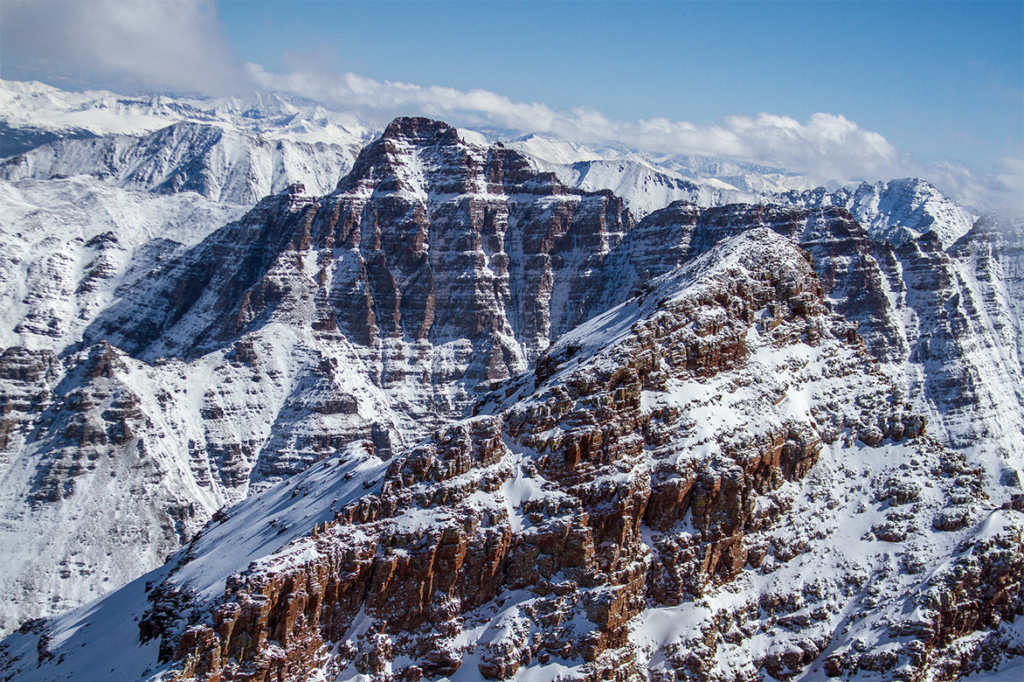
(714, 477)
(780, 436)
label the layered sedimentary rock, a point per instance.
(447, 264)
(627, 476)
(709, 445)
(311, 324)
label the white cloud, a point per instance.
(826, 145)
(1010, 179)
(1001, 189)
(175, 44)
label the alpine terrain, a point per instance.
(284, 396)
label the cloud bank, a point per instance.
(827, 145)
(165, 44)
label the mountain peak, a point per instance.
(421, 131)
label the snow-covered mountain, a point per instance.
(306, 325)
(35, 113)
(229, 150)
(712, 478)
(893, 211)
(223, 165)
(240, 150)
(667, 409)
(647, 182)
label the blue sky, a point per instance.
(848, 89)
(943, 78)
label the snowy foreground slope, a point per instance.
(710, 481)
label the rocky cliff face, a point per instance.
(303, 327)
(546, 501)
(446, 264)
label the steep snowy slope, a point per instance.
(945, 324)
(107, 464)
(894, 211)
(646, 188)
(711, 481)
(33, 114)
(132, 456)
(67, 245)
(219, 163)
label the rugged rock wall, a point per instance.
(693, 455)
(445, 264)
(570, 504)
(306, 326)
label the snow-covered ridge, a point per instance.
(894, 211)
(39, 107)
(68, 245)
(222, 164)
(235, 150)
